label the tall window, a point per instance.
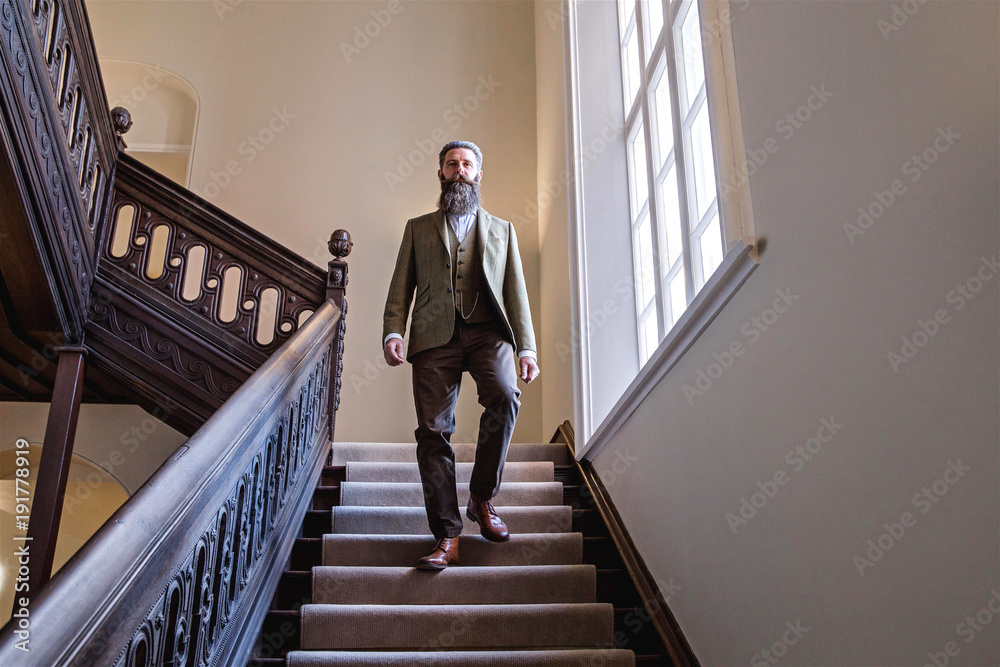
(677, 238)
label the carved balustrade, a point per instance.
(188, 300)
(184, 572)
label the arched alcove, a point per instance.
(93, 494)
(164, 108)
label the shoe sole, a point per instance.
(431, 566)
(473, 518)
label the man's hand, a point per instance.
(393, 352)
(528, 369)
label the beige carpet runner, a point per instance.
(522, 603)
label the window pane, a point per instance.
(648, 337)
(678, 297)
(702, 161)
(689, 56)
(630, 58)
(711, 248)
(643, 250)
(652, 14)
(638, 175)
(664, 119)
(670, 214)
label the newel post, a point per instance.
(336, 285)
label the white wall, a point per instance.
(679, 467)
(333, 111)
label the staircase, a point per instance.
(556, 594)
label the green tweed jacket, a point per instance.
(423, 277)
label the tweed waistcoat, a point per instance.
(472, 300)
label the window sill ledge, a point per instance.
(737, 266)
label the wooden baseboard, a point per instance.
(656, 606)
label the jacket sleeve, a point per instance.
(404, 280)
(515, 298)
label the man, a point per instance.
(470, 313)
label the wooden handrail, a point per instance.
(184, 572)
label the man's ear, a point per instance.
(479, 176)
(440, 175)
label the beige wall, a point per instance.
(678, 469)
(302, 116)
(550, 210)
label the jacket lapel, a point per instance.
(483, 222)
(441, 222)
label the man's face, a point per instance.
(460, 163)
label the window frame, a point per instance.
(600, 410)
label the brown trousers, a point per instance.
(481, 350)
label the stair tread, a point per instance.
(344, 452)
(507, 658)
(411, 494)
(531, 584)
(475, 550)
(404, 626)
(413, 520)
(401, 471)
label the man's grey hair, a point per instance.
(460, 144)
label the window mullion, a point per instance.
(680, 150)
(649, 65)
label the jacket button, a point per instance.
(448, 290)
(459, 277)
(448, 266)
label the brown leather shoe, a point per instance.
(444, 554)
(491, 526)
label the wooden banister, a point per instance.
(183, 573)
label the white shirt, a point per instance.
(461, 224)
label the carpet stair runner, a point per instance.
(546, 597)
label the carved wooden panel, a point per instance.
(202, 601)
(58, 125)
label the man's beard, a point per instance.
(459, 197)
